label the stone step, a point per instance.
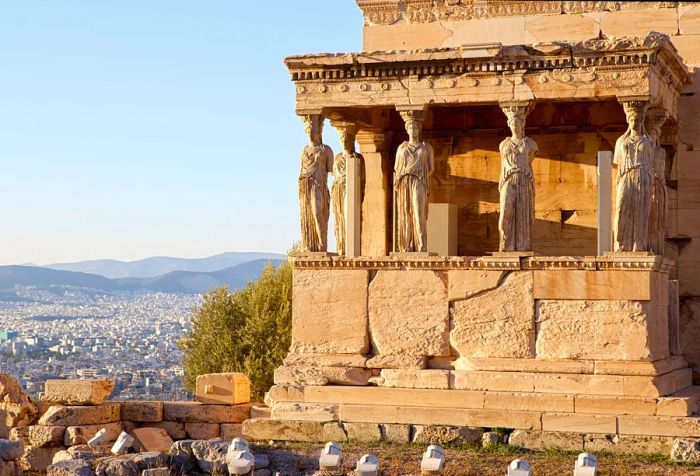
(682, 403)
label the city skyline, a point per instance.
(158, 129)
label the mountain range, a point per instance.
(182, 276)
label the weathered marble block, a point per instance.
(78, 392)
(497, 321)
(409, 313)
(329, 312)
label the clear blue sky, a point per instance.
(163, 127)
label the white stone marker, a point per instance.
(368, 465)
(243, 463)
(331, 459)
(604, 202)
(586, 465)
(123, 443)
(98, 439)
(433, 461)
(519, 467)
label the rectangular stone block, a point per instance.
(223, 388)
(80, 416)
(194, 412)
(658, 425)
(433, 379)
(578, 384)
(153, 439)
(414, 397)
(325, 360)
(264, 429)
(405, 322)
(492, 381)
(406, 362)
(539, 440)
(80, 435)
(595, 443)
(36, 459)
(229, 431)
(581, 423)
(285, 393)
(685, 402)
(614, 405)
(526, 365)
(498, 322)
(202, 431)
(42, 436)
(78, 392)
(658, 386)
(465, 283)
(639, 22)
(395, 433)
(175, 430)
(545, 28)
(363, 432)
(329, 312)
(142, 411)
(305, 412)
(287, 375)
(528, 402)
(568, 284)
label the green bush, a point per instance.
(245, 331)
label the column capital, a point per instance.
(516, 107)
(312, 111)
(629, 99)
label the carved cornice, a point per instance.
(489, 263)
(389, 12)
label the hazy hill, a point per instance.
(182, 282)
(161, 265)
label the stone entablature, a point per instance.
(508, 263)
(389, 12)
(590, 70)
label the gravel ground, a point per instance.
(299, 459)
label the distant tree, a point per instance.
(247, 331)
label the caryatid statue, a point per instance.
(414, 165)
(634, 157)
(516, 184)
(347, 133)
(314, 199)
(655, 119)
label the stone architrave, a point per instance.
(634, 157)
(412, 170)
(409, 313)
(655, 119)
(314, 198)
(516, 184)
(347, 133)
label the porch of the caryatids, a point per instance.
(314, 197)
(413, 167)
(634, 157)
(516, 184)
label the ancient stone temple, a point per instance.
(518, 224)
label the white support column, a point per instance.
(353, 207)
(604, 202)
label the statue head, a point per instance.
(347, 134)
(413, 121)
(654, 121)
(516, 119)
(634, 111)
(313, 126)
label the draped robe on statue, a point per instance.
(314, 198)
(634, 158)
(338, 192)
(411, 188)
(517, 193)
(659, 202)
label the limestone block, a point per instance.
(80, 435)
(529, 401)
(142, 411)
(597, 443)
(412, 362)
(202, 431)
(415, 397)
(658, 425)
(435, 379)
(686, 451)
(229, 431)
(10, 450)
(16, 408)
(408, 313)
(78, 392)
(603, 330)
(264, 429)
(498, 322)
(174, 429)
(153, 439)
(363, 432)
(593, 285)
(283, 393)
(685, 402)
(223, 389)
(537, 440)
(42, 436)
(80, 416)
(463, 284)
(545, 28)
(194, 412)
(286, 375)
(325, 360)
(334, 431)
(329, 312)
(260, 411)
(639, 22)
(444, 435)
(662, 385)
(614, 405)
(396, 433)
(73, 467)
(579, 422)
(492, 381)
(305, 412)
(38, 459)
